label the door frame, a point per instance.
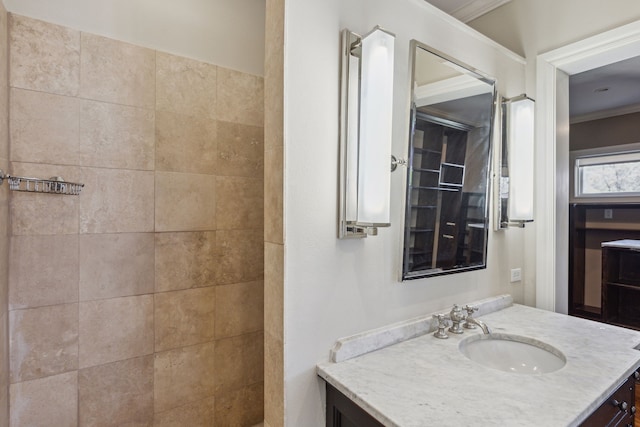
(552, 151)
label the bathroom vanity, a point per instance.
(423, 381)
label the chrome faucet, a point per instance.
(470, 322)
(456, 317)
(483, 326)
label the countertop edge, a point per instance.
(365, 342)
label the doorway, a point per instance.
(552, 151)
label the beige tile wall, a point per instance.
(139, 302)
(4, 213)
(274, 401)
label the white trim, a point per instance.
(594, 152)
(603, 49)
(605, 114)
(607, 159)
(585, 160)
(450, 89)
(621, 148)
(562, 179)
(476, 8)
(454, 22)
(545, 189)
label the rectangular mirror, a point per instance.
(446, 217)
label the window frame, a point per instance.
(610, 158)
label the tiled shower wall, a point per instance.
(4, 241)
(274, 226)
(139, 302)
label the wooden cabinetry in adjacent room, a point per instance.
(589, 226)
(621, 283)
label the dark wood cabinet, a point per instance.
(618, 410)
(589, 226)
(621, 283)
(343, 412)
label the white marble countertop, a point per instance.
(427, 381)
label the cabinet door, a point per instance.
(617, 410)
(343, 412)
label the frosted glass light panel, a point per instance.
(520, 136)
(446, 210)
(376, 109)
(366, 92)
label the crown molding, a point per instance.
(457, 23)
(605, 114)
(476, 8)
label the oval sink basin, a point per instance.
(512, 353)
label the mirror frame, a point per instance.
(427, 273)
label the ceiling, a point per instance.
(467, 10)
(607, 91)
(603, 92)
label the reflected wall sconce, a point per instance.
(515, 202)
(366, 97)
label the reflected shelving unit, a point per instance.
(436, 178)
(452, 110)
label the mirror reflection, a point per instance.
(446, 221)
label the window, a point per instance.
(608, 175)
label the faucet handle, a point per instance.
(470, 310)
(456, 317)
(456, 313)
(442, 325)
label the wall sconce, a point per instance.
(366, 92)
(515, 201)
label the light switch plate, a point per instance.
(608, 214)
(516, 275)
